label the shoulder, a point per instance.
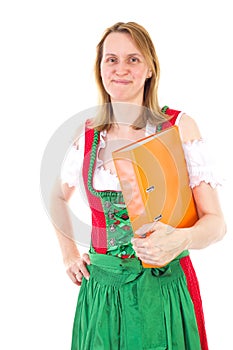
(79, 136)
(188, 128)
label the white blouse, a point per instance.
(199, 164)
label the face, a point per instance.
(123, 69)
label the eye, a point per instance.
(111, 60)
(133, 59)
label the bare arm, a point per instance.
(74, 263)
(165, 243)
(211, 226)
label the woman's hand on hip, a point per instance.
(76, 268)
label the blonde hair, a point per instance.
(142, 39)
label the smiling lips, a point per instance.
(121, 81)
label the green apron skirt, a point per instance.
(124, 306)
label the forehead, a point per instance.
(120, 43)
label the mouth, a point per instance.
(121, 81)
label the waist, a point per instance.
(124, 263)
(114, 271)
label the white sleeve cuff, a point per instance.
(72, 164)
(201, 166)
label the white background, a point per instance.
(47, 55)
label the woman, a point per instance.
(121, 304)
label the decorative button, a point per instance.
(112, 228)
(112, 242)
(111, 215)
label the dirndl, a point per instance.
(124, 306)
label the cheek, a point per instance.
(105, 73)
(140, 74)
(104, 79)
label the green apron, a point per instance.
(124, 306)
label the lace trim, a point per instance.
(71, 166)
(98, 193)
(200, 165)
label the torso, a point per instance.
(116, 138)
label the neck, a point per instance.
(126, 113)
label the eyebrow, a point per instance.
(130, 54)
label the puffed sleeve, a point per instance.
(200, 164)
(72, 164)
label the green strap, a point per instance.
(164, 109)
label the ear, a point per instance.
(149, 74)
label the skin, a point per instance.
(124, 71)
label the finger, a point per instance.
(86, 258)
(85, 272)
(139, 242)
(79, 276)
(146, 228)
(169, 229)
(73, 278)
(154, 259)
(142, 250)
(148, 259)
(143, 229)
(83, 269)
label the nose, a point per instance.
(122, 69)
